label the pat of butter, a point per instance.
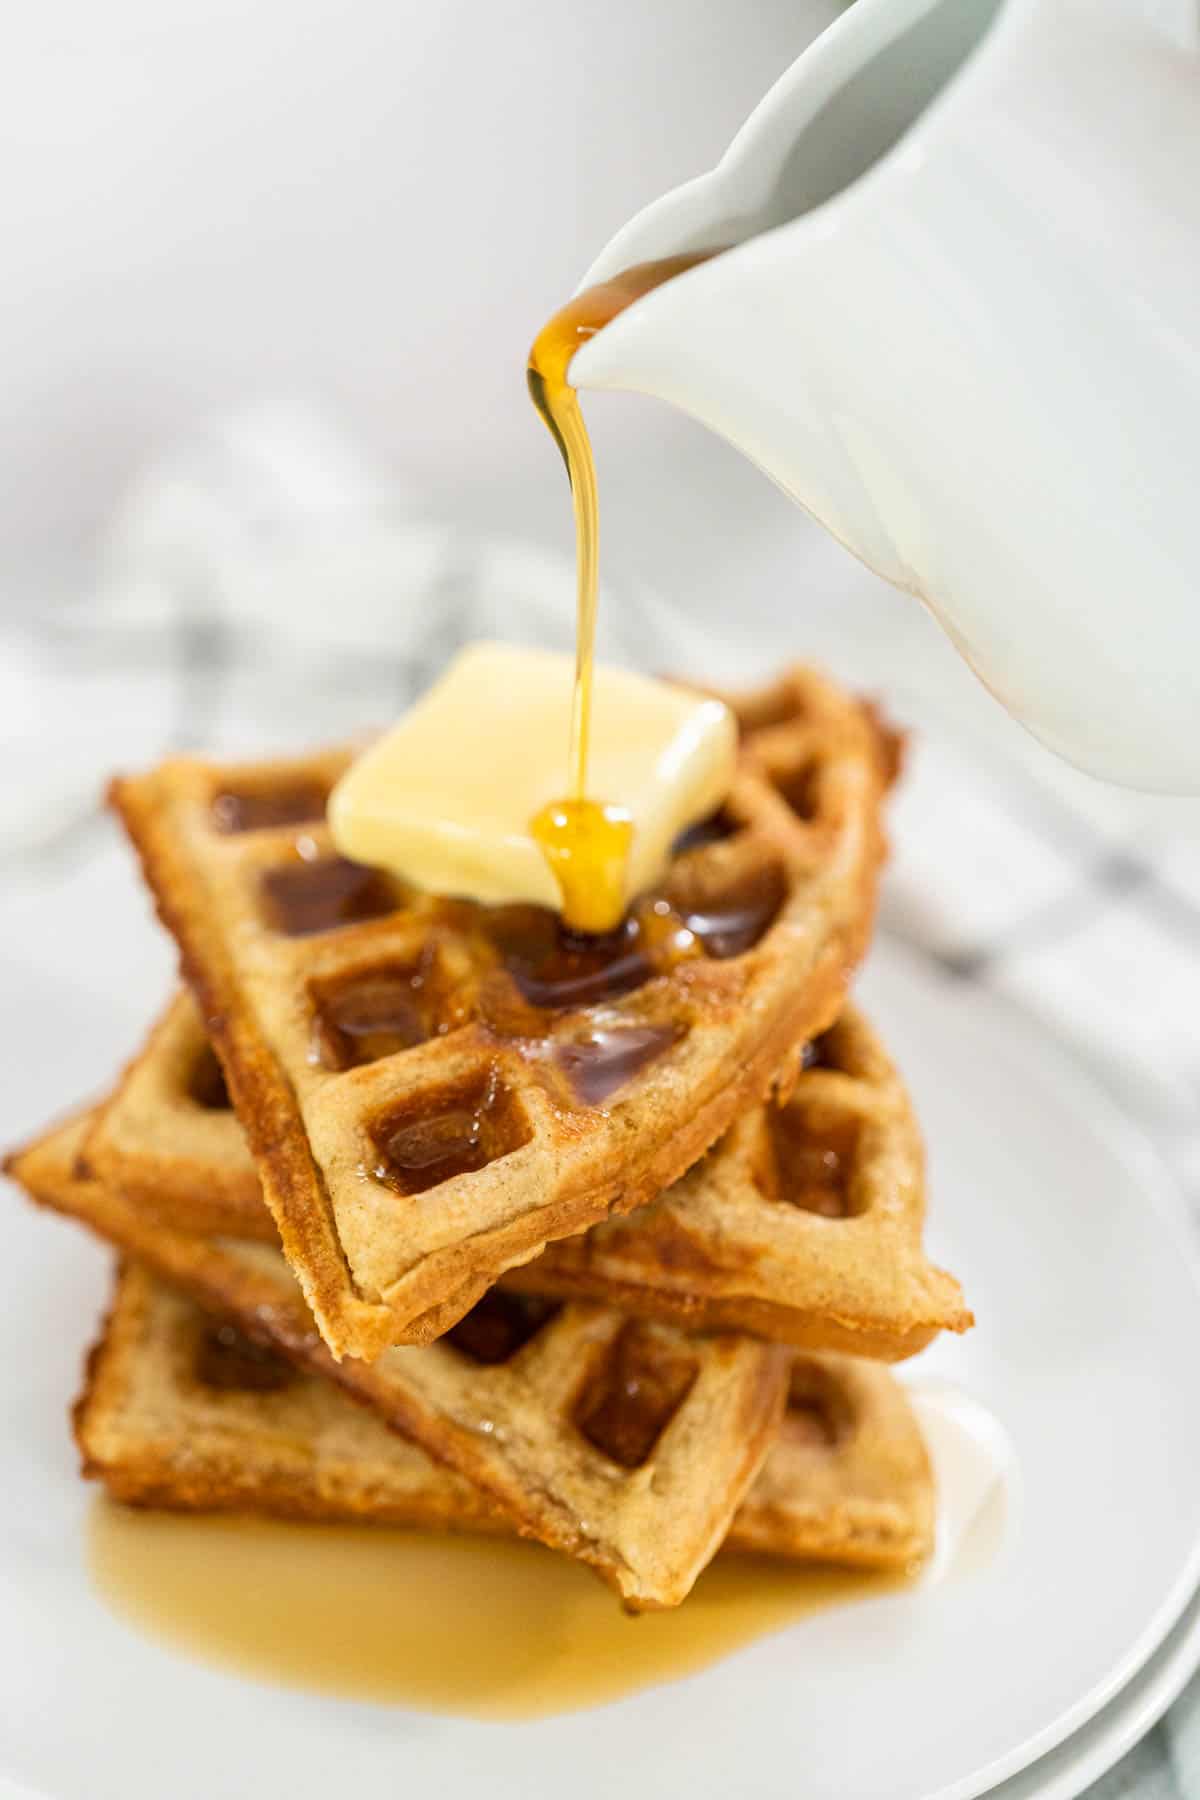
(445, 799)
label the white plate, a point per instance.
(1092, 1751)
(1081, 1268)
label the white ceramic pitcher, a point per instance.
(961, 325)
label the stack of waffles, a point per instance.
(610, 1240)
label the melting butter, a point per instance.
(448, 798)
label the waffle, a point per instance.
(624, 1443)
(432, 1089)
(803, 1223)
(169, 1137)
(181, 1410)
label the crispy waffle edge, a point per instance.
(866, 1503)
(445, 1283)
(232, 1282)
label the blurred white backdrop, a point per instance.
(371, 206)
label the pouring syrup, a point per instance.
(586, 841)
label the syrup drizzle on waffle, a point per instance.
(407, 1044)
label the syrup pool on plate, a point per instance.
(493, 1628)
(474, 1626)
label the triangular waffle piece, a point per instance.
(182, 1410)
(848, 1479)
(626, 1444)
(802, 1224)
(432, 1089)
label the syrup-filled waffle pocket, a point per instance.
(433, 1090)
(182, 1410)
(628, 1446)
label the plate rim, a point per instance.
(1128, 1144)
(1145, 1700)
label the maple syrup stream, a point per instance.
(585, 841)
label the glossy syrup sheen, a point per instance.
(598, 1065)
(478, 1627)
(585, 841)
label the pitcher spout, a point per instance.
(722, 344)
(758, 344)
(957, 323)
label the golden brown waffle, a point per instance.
(169, 1137)
(433, 1089)
(802, 1224)
(848, 1479)
(626, 1444)
(182, 1410)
